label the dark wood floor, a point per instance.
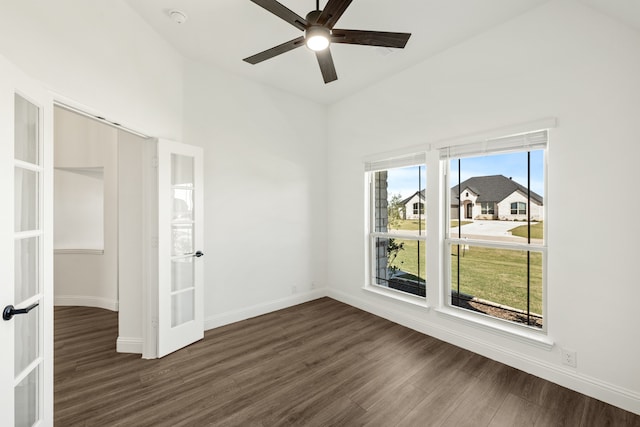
(321, 363)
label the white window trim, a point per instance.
(377, 163)
(532, 336)
(536, 336)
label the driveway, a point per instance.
(490, 230)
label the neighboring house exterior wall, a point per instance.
(504, 208)
(409, 212)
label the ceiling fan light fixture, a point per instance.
(317, 37)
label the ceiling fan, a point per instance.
(319, 34)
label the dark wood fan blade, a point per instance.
(326, 65)
(332, 12)
(371, 38)
(274, 51)
(283, 12)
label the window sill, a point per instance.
(521, 333)
(397, 295)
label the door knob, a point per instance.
(10, 311)
(198, 254)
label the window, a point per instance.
(497, 270)
(397, 243)
(518, 208)
(487, 208)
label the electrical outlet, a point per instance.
(313, 285)
(294, 289)
(568, 357)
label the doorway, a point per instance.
(98, 220)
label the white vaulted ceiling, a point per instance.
(223, 32)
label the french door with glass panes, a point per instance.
(26, 289)
(180, 239)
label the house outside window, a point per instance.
(498, 274)
(518, 208)
(396, 229)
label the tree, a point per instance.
(394, 211)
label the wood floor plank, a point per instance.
(516, 411)
(321, 363)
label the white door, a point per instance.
(180, 269)
(26, 288)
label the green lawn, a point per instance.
(498, 275)
(409, 224)
(407, 259)
(537, 231)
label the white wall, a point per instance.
(265, 193)
(131, 158)
(85, 278)
(78, 201)
(563, 60)
(100, 55)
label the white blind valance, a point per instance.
(522, 142)
(396, 162)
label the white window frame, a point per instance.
(490, 208)
(528, 141)
(383, 163)
(517, 209)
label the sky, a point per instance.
(408, 180)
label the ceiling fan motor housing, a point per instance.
(312, 17)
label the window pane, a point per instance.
(181, 171)
(182, 238)
(182, 204)
(400, 201)
(26, 339)
(26, 269)
(494, 282)
(26, 200)
(182, 273)
(491, 194)
(182, 308)
(26, 130)
(400, 264)
(26, 400)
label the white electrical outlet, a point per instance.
(294, 289)
(569, 357)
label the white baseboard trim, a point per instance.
(260, 309)
(628, 400)
(85, 301)
(129, 345)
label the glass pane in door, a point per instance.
(26, 131)
(26, 268)
(28, 241)
(182, 305)
(26, 339)
(182, 204)
(182, 236)
(181, 170)
(26, 199)
(182, 274)
(26, 400)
